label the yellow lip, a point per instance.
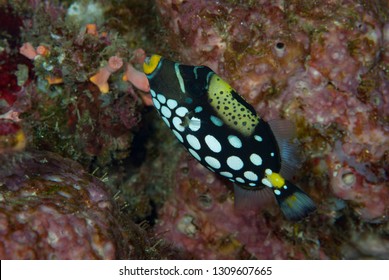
(151, 64)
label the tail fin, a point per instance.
(294, 203)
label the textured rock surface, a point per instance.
(201, 218)
(51, 209)
(323, 65)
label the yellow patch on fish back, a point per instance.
(230, 109)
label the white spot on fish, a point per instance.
(177, 124)
(266, 182)
(226, 174)
(178, 135)
(166, 121)
(251, 176)
(198, 109)
(256, 159)
(213, 162)
(194, 154)
(161, 98)
(213, 143)
(216, 121)
(258, 138)
(240, 180)
(156, 103)
(193, 141)
(181, 111)
(171, 103)
(165, 111)
(235, 163)
(235, 141)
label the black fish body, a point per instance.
(223, 132)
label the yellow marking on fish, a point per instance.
(276, 180)
(291, 200)
(230, 110)
(151, 64)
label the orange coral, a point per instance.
(43, 50)
(91, 29)
(137, 78)
(28, 50)
(100, 79)
(54, 80)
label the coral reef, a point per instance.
(324, 67)
(49, 206)
(66, 59)
(324, 70)
(200, 217)
(52, 209)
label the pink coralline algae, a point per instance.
(51, 209)
(200, 218)
(323, 65)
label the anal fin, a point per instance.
(257, 199)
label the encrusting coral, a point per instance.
(100, 79)
(71, 87)
(28, 50)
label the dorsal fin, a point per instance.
(285, 133)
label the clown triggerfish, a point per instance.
(225, 134)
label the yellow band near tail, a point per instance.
(276, 180)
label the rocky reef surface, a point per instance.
(89, 171)
(323, 65)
